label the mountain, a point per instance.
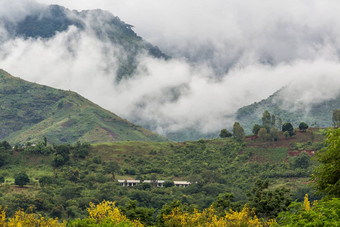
(45, 21)
(318, 114)
(29, 111)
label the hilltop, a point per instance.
(30, 111)
(317, 114)
(44, 22)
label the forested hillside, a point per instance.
(318, 115)
(30, 112)
(64, 179)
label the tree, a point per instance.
(168, 184)
(303, 126)
(225, 133)
(286, 134)
(5, 145)
(224, 203)
(81, 150)
(288, 127)
(238, 131)
(133, 212)
(279, 123)
(336, 118)
(45, 141)
(256, 129)
(266, 119)
(58, 160)
(21, 179)
(274, 134)
(268, 203)
(263, 134)
(327, 175)
(273, 120)
(112, 168)
(301, 161)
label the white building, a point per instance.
(158, 183)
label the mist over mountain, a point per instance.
(224, 55)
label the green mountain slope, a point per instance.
(319, 114)
(29, 111)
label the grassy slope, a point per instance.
(30, 111)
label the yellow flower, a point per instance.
(306, 203)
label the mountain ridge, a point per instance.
(47, 20)
(31, 111)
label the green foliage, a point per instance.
(4, 145)
(112, 168)
(21, 179)
(167, 209)
(268, 203)
(286, 134)
(81, 150)
(321, 213)
(288, 127)
(303, 126)
(238, 131)
(216, 166)
(266, 119)
(302, 161)
(169, 184)
(256, 129)
(133, 212)
(225, 133)
(274, 134)
(262, 134)
(224, 203)
(327, 175)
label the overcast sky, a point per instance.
(227, 54)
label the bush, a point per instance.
(225, 133)
(21, 179)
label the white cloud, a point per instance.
(256, 46)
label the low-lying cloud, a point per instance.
(227, 54)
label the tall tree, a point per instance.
(238, 131)
(266, 120)
(279, 123)
(273, 121)
(256, 129)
